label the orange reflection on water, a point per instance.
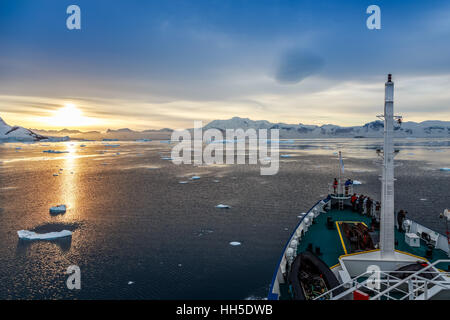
(69, 183)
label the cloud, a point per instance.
(296, 65)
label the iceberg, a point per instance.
(30, 235)
(356, 182)
(58, 209)
(223, 206)
(235, 243)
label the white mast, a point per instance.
(387, 239)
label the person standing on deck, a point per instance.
(377, 211)
(353, 201)
(335, 185)
(400, 218)
(369, 203)
(348, 183)
(361, 204)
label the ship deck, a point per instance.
(332, 245)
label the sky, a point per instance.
(155, 64)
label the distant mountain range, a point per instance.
(426, 129)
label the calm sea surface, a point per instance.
(140, 234)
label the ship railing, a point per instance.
(384, 285)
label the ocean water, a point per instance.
(140, 234)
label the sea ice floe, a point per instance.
(58, 209)
(235, 243)
(30, 235)
(255, 298)
(357, 182)
(55, 151)
(223, 206)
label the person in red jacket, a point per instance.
(353, 200)
(335, 185)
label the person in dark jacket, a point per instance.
(369, 206)
(400, 218)
(361, 204)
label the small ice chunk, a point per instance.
(223, 206)
(55, 151)
(130, 282)
(423, 199)
(357, 182)
(235, 243)
(58, 209)
(195, 177)
(30, 235)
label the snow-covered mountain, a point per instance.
(16, 133)
(426, 129)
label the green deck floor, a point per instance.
(330, 243)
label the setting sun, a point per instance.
(69, 116)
